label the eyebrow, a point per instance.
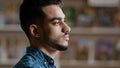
(56, 18)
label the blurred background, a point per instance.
(94, 39)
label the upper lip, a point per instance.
(66, 36)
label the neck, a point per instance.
(46, 49)
(49, 52)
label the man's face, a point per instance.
(55, 29)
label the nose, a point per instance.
(66, 28)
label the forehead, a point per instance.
(53, 11)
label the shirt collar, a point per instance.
(40, 54)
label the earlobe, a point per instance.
(34, 30)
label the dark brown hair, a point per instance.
(31, 12)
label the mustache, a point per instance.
(66, 33)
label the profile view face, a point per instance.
(56, 31)
(44, 25)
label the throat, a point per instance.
(49, 51)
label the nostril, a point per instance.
(66, 30)
(66, 33)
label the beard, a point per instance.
(50, 43)
(56, 46)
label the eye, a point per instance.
(56, 22)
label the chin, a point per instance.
(64, 45)
(58, 46)
(61, 47)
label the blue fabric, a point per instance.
(35, 58)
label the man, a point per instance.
(43, 23)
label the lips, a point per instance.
(66, 37)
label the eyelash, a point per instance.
(56, 23)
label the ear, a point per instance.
(34, 31)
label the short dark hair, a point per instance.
(31, 12)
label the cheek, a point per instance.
(56, 31)
(55, 34)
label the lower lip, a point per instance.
(66, 38)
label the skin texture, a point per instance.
(54, 35)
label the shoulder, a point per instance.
(27, 61)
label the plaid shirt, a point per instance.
(35, 58)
